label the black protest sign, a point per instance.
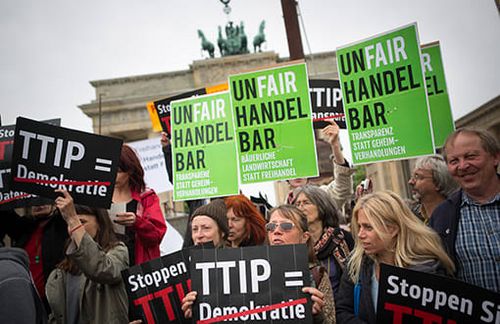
(163, 107)
(156, 288)
(48, 157)
(407, 296)
(10, 198)
(251, 284)
(326, 102)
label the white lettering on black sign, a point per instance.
(47, 157)
(260, 283)
(326, 103)
(9, 198)
(407, 296)
(156, 288)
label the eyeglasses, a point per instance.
(417, 176)
(303, 203)
(286, 226)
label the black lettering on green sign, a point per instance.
(354, 60)
(189, 160)
(433, 86)
(202, 135)
(380, 84)
(371, 117)
(269, 112)
(246, 87)
(257, 140)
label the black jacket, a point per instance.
(55, 234)
(344, 302)
(444, 221)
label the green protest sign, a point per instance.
(437, 92)
(272, 118)
(203, 148)
(384, 97)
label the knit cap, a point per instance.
(216, 210)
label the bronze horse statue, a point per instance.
(206, 45)
(260, 37)
(221, 43)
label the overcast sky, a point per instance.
(51, 49)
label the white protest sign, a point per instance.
(153, 162)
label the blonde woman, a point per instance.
(386, 231)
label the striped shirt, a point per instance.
(478, 243)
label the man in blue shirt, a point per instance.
(469, 220)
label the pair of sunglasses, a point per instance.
(271, 227)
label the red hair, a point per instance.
(255, 225)
(130, 163)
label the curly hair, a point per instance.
(254, 221)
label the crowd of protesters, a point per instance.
(75, 258)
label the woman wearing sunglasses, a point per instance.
(386, 232)
(332, 244)
(288, 225)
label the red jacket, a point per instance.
(149, 226)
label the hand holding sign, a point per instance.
(317, 297)
(68, 212)
(187, 304)
(331, 132)
(164, 140)
(67, 208)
